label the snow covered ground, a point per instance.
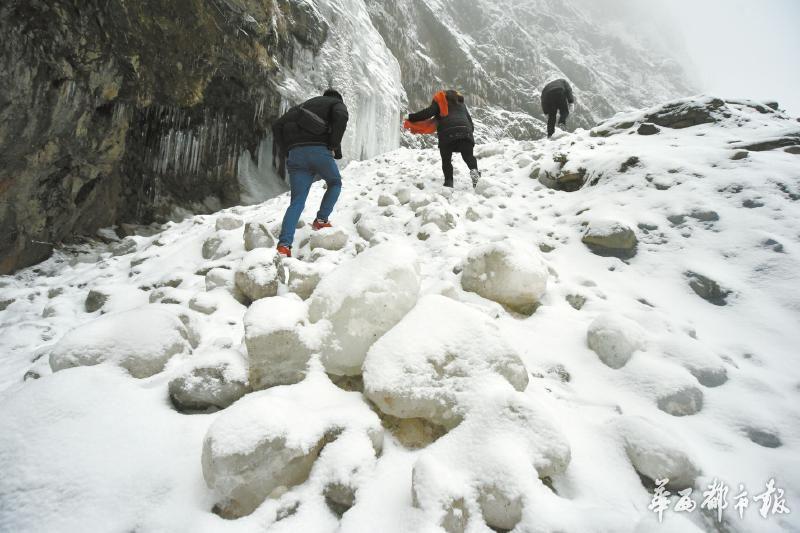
(532, 358)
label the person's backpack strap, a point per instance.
(311, 122)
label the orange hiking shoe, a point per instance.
(285, 251)
(319, 224)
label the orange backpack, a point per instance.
(426, 127)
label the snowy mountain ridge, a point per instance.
(607, 309)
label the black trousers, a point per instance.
(464, 147)
(563, 110)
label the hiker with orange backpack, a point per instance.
(449, 118)
(312, 134)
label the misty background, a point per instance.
(730, 48)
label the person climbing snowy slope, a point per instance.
(449, 117)
(312, 134)
(556, 98)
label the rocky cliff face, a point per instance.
(112, 111)
(501, 53)
(122, 110)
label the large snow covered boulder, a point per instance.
(486, 469)
(439, 215)
(329, 239)
(140, 341)
(437, 359)
(614, 339)
(214, 381)
(269, 440)
(361, 300)
(610, 238)
(656, 453)
(228, 222)
(508, 272)
(278, 342)
(259, 273)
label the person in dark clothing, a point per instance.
(455, 132)
(311, 134)
(556, 97)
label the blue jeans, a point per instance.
(305, 163)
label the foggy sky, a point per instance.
(742, 48)
(730, 48)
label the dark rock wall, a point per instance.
(112, 110)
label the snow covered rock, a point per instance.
(404, 195)
(488, 466)
(656, 453)
(439, 215)
(259, 273)
(278, 348)
(215, 381)
(684, 402)
(610, 238)
(361, 300)
(141, 341)
(562, 180)
(269, 440)
(303, 277)
(213, 247)
(437, 359)
(204, 302)
(508, 272)
(385, 200)
(329, 239)
(124, 247)
(256, 235)
(226, 279)
(228, 222)
(614, 339)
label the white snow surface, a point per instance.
(93, 445)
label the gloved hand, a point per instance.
(337, 153)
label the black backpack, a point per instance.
(311, 122)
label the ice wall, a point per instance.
(354, 60)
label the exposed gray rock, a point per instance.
(210, 386)
(705, 216)
(576, 301)
(124, 247)
(257, 235)
(95, 301)
(708, 289)
(648, 129)
(739, 155)
(764, 438)
(611, 238)
(113, 114)
(385, 200)
(5, 303)
(213, 249)
(329, 239)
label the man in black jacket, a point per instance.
(556, 97)
(311, 133)
(455, 133)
